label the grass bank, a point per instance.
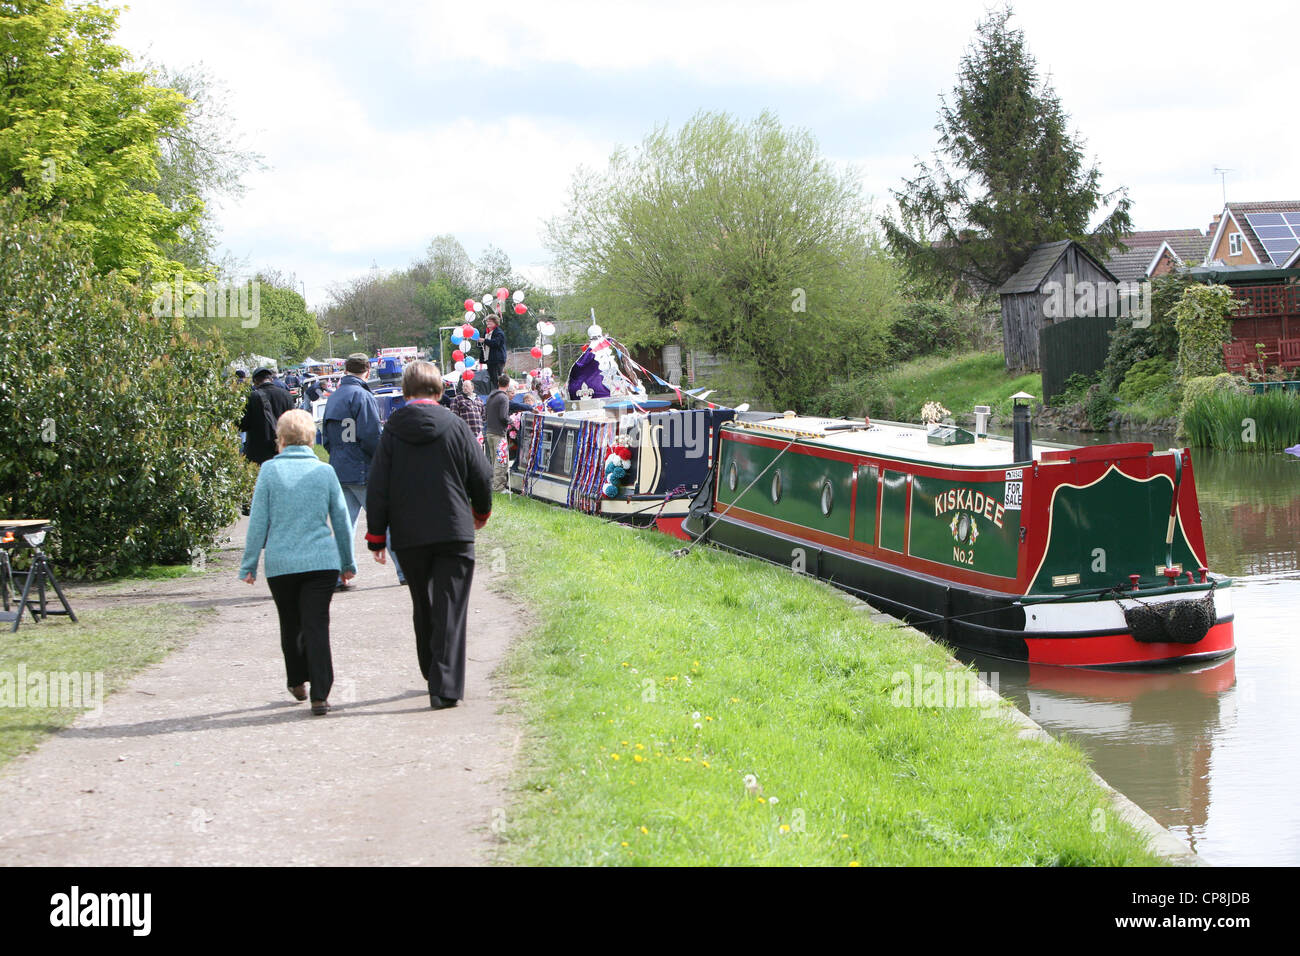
(110, 646)
(958, 382)
(652, 686)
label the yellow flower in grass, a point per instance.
(645, 829)
(704, 764)
(638, 758)
(734, 700)
(854, 863)
(614, 757)
(624, 843)
(784, 828)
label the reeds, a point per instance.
(1236, 422)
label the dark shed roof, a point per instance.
(1040, 262)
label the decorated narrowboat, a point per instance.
(1027, 551)
(615, 451)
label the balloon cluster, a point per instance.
(463, 338)
(617, 465)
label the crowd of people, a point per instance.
(425, 479)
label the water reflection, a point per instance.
(1151, 734)
(1250, 510)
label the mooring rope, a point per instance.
(683, 552)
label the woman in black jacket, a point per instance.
(431, 487)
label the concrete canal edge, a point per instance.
(1160, 840)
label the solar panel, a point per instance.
(1273, 232)
(1279, 233)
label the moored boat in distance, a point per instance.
(1038, 552)
(616, 451)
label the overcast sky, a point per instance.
(382, 128)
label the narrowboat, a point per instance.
(1026, 551)
(615, 451)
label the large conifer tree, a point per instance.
(1008, 175)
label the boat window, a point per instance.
(733, 476)
(828, 497)
(776, 487)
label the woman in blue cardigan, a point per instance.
(300, 518)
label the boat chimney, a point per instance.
(981, 421)
(1021, 439)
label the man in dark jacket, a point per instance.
(267, 401)
(430, 490)
(496, 419)
(352, 436)
(494, 350)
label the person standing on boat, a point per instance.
(468, 408)
(299, 518)
(352, 436)
(430, 490)
(496, 423)
(494, 350)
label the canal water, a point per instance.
(1210, 751)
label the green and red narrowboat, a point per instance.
(1088, 556)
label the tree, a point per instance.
(1008, 176)
(199, 160)
(445, 260)
(739, 237)
(79, 135)
(116, 425)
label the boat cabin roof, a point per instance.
(892, 440)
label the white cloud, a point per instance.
(353, 181)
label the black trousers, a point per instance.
(303, 602)
(438, 577)
(494, 372)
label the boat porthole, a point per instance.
(733, 476)
(828, 497)
(776, 487)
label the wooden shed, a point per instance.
(1023, 296)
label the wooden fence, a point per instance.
(1075, 346)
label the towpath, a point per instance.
(205, 759)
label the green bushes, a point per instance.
(115, 425)
(1149, 375)
(923, 328)
(1201, 318)
(1130, 345)
(1234, 421)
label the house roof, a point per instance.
(1188, 245)
(1239, 211)
(1040, 262)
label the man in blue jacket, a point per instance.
(352, 436)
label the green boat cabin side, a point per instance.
(1028, 528)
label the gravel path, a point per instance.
(205, 759)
